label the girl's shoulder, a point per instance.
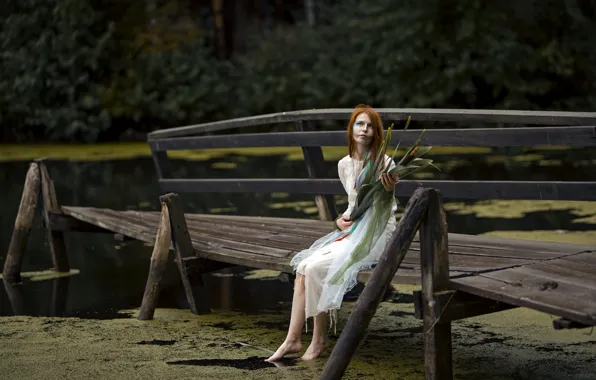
(344, 161)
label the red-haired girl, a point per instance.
(317, 292)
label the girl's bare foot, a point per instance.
(315, 349)
(287, 347)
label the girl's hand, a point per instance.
(388, 181)
(344, 223)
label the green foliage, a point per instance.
(53, 54)
(72, 72)
(170, 88)
(457, 53)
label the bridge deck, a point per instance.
(555, 278)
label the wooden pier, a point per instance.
(461, 275)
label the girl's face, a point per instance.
(363, 130)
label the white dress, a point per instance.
(314, 263)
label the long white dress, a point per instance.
(315, 263)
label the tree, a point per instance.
(52, 57)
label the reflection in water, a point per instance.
(113, 273)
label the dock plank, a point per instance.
(571, 302)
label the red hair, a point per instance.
(377, 125)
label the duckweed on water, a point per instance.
(46, 274)
(111, 151)
(585, 211)
(501, 345)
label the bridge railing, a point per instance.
(568, 129)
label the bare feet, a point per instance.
(315, 349)
(287, 347)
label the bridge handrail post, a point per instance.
(434, 263)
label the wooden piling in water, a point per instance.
(373, 292)
(159, 261)
(22, 226)
(50, 204)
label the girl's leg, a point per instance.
(293, 343)
(319, 337)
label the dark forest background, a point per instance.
(96, 70)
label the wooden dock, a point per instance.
(460, 275)
(555, 278)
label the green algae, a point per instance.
(584, 211)
(46, 274)
(563, 236)
(262, 274)
(125, 150)
(491, 346)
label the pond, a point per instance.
(100, 337)
(113, 273)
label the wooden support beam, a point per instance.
(196, 266)
(563, 324)
(375, 289)
(313, 156)
(434, 262)
(452, 305)
(22, 226)
(162, 164)
(59, 296)
(159, 262)
(14, 291)
(50, 204)
(183, 248)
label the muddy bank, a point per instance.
(517, 344)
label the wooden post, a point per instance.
(162, 164)
(313, 156)
(50, 205)
(373, 292)
(22, 226)
(434, 262)
(59, 296)
(183, 248)
(159, 261)
(15, 296)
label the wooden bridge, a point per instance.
(461, 275)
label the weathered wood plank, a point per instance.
(22, 225)
(542, 276)
(586, 258)
(539, 190)
(497, 243)
(233, 241)
(483, 137)
(573, 266)
(184, 248)
(159, 261)
(245, 234)
(562, 301)
(369, 300)
(50, 204)
(58, 221)
(203, 249)
(417, 114)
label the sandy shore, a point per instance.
(516, 344)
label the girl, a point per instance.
(315, 295)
